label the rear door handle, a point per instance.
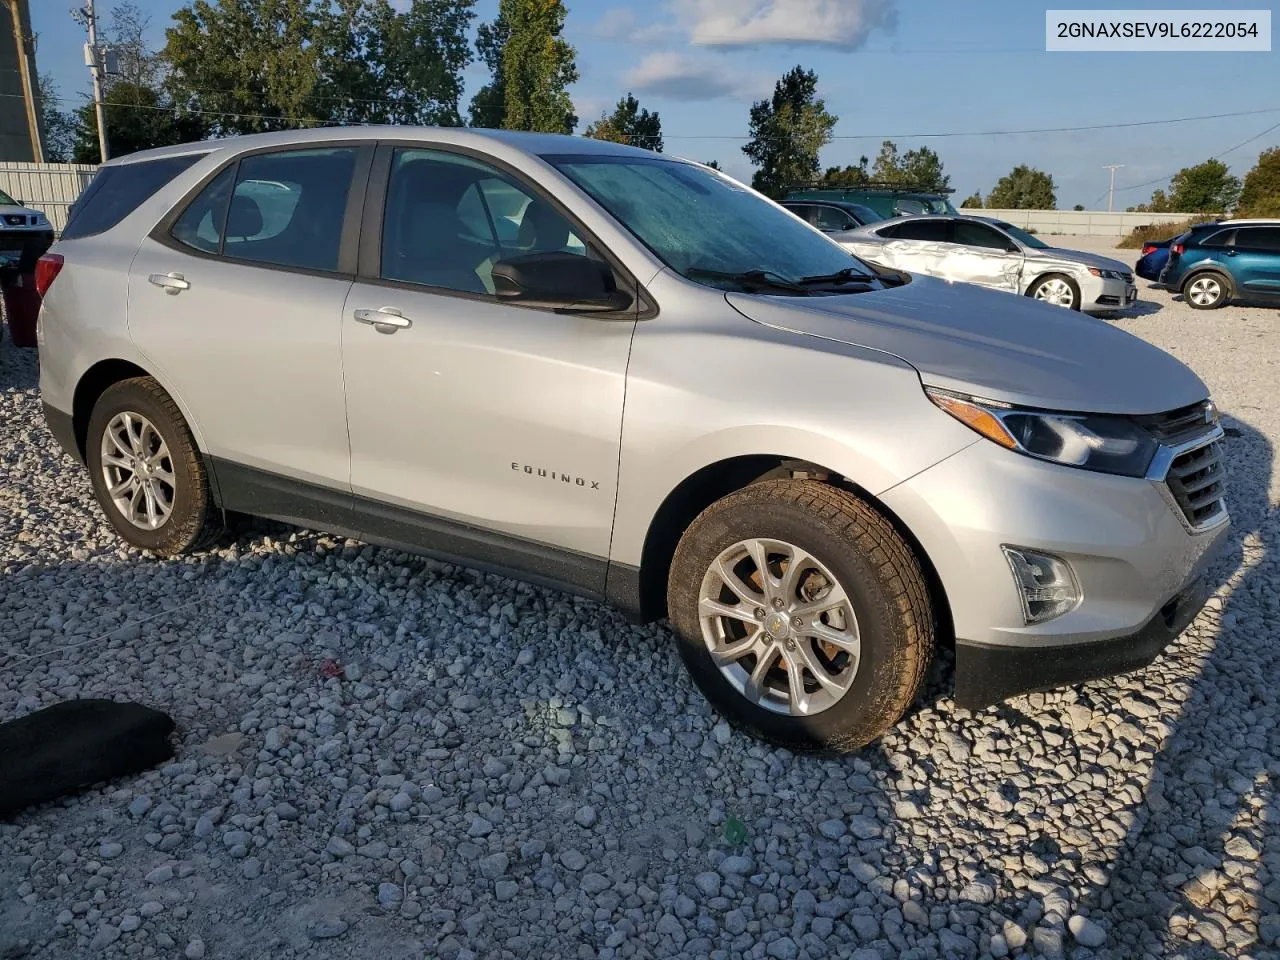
(173, 283)
(384, 319)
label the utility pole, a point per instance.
(88, 18)
(1113, 167)
(20, 41)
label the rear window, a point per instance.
(117, 191)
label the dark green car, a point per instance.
(885, 200)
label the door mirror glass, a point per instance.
(563, 281)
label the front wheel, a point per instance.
(801, 614)
(146, 472)
(1057, 289)
(1205, 291)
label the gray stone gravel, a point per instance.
(379, 755)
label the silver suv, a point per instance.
(628, 376)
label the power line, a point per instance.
(676, 136)
(1216, 156)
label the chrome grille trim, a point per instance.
(1191, 476)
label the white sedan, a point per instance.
(995, 254)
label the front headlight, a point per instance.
(1099, 442)
(1106, 274)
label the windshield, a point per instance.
(699, 223)
(6, 200)
(1024, 238)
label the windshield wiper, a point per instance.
(760, 279)
(847, 275)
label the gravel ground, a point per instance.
(382, 755)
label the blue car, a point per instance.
(1155, 254)
(1215, 263)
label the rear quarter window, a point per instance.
(118, 190)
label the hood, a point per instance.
(1059, 254)
(964, 338)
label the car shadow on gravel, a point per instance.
(1202, 857)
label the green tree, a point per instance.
(489, 105)
(59, 124)
(137, 119)
(852, 175)
(538, 65)
(973, 200)
(253, 65)
(787, 131)
(1078, 206)
(713, 164)
(125, 33)
(1023, 188)
(920, 169)
(629, 124)
(1260, 196)
(1206, 187)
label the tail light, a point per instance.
(1148, 248)
(1178, 248)
(47, 269)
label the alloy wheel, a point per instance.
(1204, 291)
(1057, 292)
(138, 470)
(780, 627)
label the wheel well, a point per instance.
(1051, 273)
(91, 386)
(1218, 272)
(718, 480)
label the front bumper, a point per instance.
(1132, 556)
(986, 674)
(1100, 294)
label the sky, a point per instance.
(896, 69)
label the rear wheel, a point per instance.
(1205, 291)
(146, 471)
(802, 615)
(1057, 289)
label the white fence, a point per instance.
(1087, 223)
(50, 188)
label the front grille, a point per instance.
(1127, 277)
(1195, 479)
(16, 219)
(1179, 426)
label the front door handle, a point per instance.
(171, 283)
(384, 319)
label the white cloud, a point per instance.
(680, 77)
(621, 24)
(844, 24)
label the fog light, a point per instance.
(1046, 584)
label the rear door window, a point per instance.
(118, 190)
(930, 231)
(282, 209)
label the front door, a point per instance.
(237, 306)
(1255, 261)
(989, 258)
(469, 417)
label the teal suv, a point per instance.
(1214, 263)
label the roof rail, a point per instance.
(874, 185)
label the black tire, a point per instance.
(1051, 277)
(194, 521)
(1212, 280)
(879, 573)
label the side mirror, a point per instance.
(561, 281)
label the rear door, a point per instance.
(918, 245)
(236, 301)
(1255, 260)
